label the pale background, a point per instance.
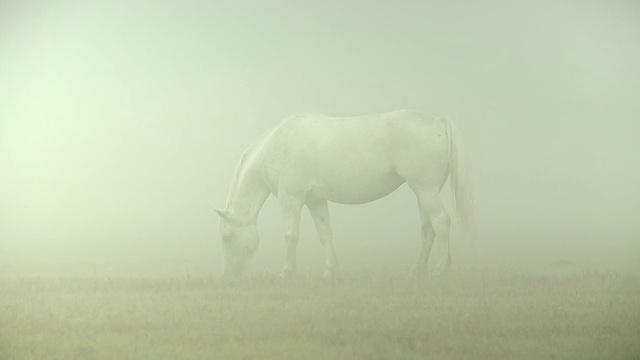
(121, 124)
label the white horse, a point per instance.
(310, 159)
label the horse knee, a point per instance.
(325, 239)
(291, 238)
(441, 223)
(427, 229)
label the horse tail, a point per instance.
(460, 172)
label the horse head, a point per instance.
(239, 241)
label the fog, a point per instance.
(121, 126)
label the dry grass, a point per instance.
(460, 316)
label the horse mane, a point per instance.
(243, 163)
(237, 175)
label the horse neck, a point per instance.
(247, 195)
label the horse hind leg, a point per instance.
(320, 214)
(428, 235)
(436, 224)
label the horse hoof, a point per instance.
(328, 274)
(418, 273)
(437, 273)
(286, 273)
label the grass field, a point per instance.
(463, 315)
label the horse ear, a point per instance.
(224, 214)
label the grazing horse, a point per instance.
(310, 159)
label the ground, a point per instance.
(463, 315)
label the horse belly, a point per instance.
(355, 187)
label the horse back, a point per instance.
(314, 150)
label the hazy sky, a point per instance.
(121, 122)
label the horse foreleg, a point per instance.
(320, 214)
(291, 212)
